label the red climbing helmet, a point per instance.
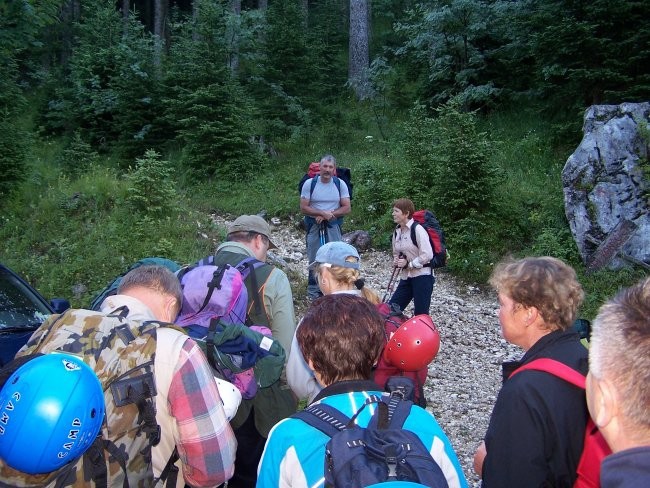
(414, 344)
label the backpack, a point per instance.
(428, 220)
(382, 373)
(121, 352)
(595, 447)
(211, 291)
(214, 313)
(383, 451)
(247, 357)
(340, 174)
(111, 288)
(254, 273)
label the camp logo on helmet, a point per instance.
(70, 365)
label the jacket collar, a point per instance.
(137, 309)
(235, 247)
(346, 386)
(545, 341)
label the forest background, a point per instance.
(124, 125)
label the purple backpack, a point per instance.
(211, 292)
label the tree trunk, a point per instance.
(232, 34)
(70, 13)
(125, 14)
(160, 29)
(359, 56)
(195, 18)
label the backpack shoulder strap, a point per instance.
(314, 180)
(414, 238)
(337, 182)
(249, 267)
(392, 411)
(556, 368)
(325, 418)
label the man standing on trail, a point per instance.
(270, 303)
(324, 200)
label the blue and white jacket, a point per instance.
(294, 454)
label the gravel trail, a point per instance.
(464, 379)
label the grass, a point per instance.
(70, 236)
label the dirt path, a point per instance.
(465, 376)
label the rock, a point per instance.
(604, 183)
(78, 290)
(359, 239)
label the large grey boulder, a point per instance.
(605, 184)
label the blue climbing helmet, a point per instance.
(51, 411)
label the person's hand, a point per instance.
(479, 457)
(328, 215)
(402, 263)
(319, 219)
(395, 259)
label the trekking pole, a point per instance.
(323, 233)
(389, 288)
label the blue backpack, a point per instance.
(381, 452)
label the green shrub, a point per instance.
(472, 247)
(216, 126)
(153, 191)
(78, 157)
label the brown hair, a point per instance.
(245, 236)
(342, 335)
(405, 205)
(546, 283)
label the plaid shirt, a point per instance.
(207, 444)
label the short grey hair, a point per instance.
(620, 350)
(328, 157)
(153, 277)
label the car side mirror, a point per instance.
(59, 305)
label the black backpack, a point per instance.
(341, 174)
(383, 451)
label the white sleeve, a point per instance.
(305, 190)
(300, 378)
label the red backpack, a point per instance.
(428, 220)
(595, 447)
(384, 370)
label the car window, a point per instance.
(20, 308)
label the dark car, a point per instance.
(22, 310)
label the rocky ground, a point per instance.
(465, 376)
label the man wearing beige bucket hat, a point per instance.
(270, 303)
